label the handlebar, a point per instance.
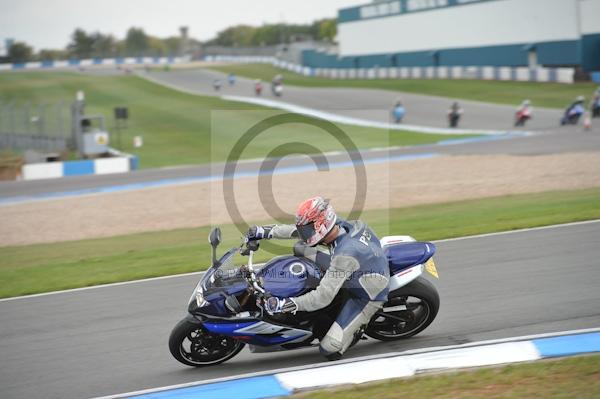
(249, 272)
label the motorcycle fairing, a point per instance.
(406, 254)
(215, 299)
(260, 333)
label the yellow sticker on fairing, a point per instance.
(430, 267)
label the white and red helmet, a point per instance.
(314, 220)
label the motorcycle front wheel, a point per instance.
(193, 345)
(408, 311)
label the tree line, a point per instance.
(137, 43)
(269, 34)
(99, 45)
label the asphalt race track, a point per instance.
(370, 104)
(113, 339)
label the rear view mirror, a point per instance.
(214, 238)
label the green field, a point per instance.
(49, 267)
(179, 128)
(576, 377)
(552, 95)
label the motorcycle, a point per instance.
(224, 312)
(453, 118)
(398, 113)
(277, 89)
(572, 115)
(596, 108)
(522, 116)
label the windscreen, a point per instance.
(223, 276)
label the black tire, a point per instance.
(217, 348)
(417, 317)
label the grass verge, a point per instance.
(552, 95)
(577, 377)
(49, 267)
(177, 128)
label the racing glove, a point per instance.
(256, 233)
(273, 305)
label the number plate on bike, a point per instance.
(430, 267)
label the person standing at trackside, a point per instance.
(354, 262)
(398, 112)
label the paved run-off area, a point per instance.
(388, 185)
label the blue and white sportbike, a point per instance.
(224, 313)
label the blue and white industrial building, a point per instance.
(494, 33)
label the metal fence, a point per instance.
(44, 127)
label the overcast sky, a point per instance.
(49, 23)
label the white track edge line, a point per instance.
(93, 287)
(497, 233)
(351, 360)
(200, 272)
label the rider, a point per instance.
(277, 80)
(574, 111)
(525, 106)
(454, 114)
(577, 104)
(217, 84)
(277, 85)
(524, 110)
(258, 87)
(595, 104)
(398, 112)
(354, 262)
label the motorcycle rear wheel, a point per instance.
(419, 303)
(192, 345)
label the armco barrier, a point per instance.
(525, 74)
(540, 74)
(100, 166)
(93, 63)
(380, 367)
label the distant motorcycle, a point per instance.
(277, 89)
(453, 118)
(454, 114)
(398, 113)
(596, 107)
(258, 87)
(572, 115)
(224, 313)
(522, 116)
